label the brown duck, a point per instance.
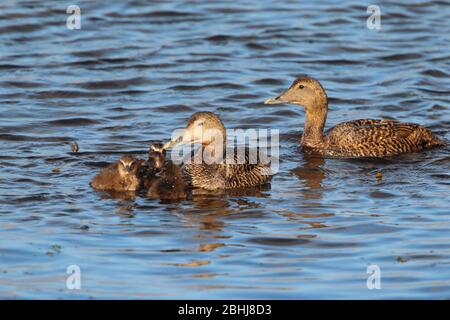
(358, 138)
(207, 129)
(120, 176)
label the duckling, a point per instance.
(168, 184)
(358, 138)
(119, 176)
(207, 128)
(153, 165)
(157, 155)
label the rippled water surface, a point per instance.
(137, 70)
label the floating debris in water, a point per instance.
(194, 263)
(74, 147)
(379, 176)
(208, 247)
(56, 170)
(54, 249)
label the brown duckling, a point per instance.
(157, 155)
(358, 138)
(120, 176)
(207, 128)
(168, 184)
(153, 165)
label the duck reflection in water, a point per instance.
(312, 174)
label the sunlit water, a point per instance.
(136, 71)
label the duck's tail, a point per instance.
(429, 140)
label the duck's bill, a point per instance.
(172, 143)
(275, 100)
(181, 139)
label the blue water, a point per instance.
(137, 70)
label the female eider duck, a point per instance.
(209, 167)
(358, 138)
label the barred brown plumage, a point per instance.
(222, 175)
(358, 138)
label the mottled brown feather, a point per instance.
(240, 174)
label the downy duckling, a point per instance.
(119, 176)
(358, 138)
(153, 165)
(169, 183)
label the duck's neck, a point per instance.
(215, 151)
(314, 125)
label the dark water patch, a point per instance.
(335, 62)
(65, 94)
(18, 137)
(23, 84)
(73, 122)
(21, 28)
(208, 86)
(174, 108)
(25, 199)
(242, 96)
(157, 14)
(219, 38)
(112, 84)
(268, 82)
(93, 53)
(99, 62)
(401, 57)
(256, 46)
(7, 66)
(32, 181)
(275, 241)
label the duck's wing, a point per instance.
(374, 138)
(248, 167)
(371, 130)
(242, 169)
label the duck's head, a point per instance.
(202, 127)
(127, 164)
(304, 91)
(156, 155)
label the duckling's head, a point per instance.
(202, 127)
(304, 91)
(156, 155)
(127, 164)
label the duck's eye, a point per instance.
(301, 86)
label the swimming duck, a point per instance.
(120, 176)
(168, 183)
(216, 172)
(358, 138)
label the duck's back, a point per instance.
(241, 171)
(170, 185)
(377, 138)
(107, 179)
